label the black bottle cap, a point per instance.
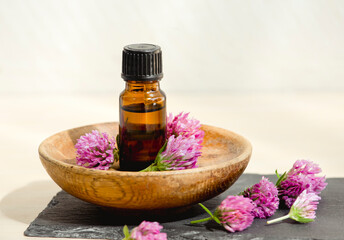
(142, 62)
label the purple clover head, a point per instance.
(235, 213)
(183, 145)
(180, 153)
(182, 125)
(294, 185)
(145, 231)
(96, 150)
(299, 178)
(264, 196)
(304, 167)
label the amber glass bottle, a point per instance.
(142, 107)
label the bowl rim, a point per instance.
(89, 171)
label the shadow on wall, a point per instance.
(25, 203)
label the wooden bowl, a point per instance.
(225, 156)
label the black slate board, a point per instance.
(68, 217)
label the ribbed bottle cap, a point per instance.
(142, 62)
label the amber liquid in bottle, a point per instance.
(142, 124)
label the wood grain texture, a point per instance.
(225, 156)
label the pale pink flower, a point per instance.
(303, 209)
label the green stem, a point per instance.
(211, 215)
(278, 219)
(280, 178)
(201, 220)
(126, 232)
(150, 168)
(207, 210)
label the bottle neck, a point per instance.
(142, 86)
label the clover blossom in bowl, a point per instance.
(182, 147)
(182, 124)
(96, 150)
(178, 153)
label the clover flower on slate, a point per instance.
(178, 153)
(299, 178)
(96, 150)
(264, 196)
(304, 167)
(303, 209)
(181, 124)
(234, 213)
(145, 231)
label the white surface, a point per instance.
(65, 46)
(281, 128)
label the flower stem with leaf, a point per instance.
(303, 209)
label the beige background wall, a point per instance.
(219, 45)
